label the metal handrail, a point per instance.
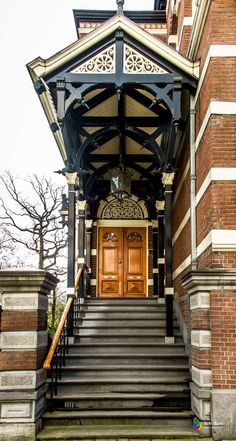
(61, 325)
(56, 338)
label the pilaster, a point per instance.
(24, 344)
(212, 299)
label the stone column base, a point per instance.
(200, 403)
(19, 431)
(20, 413)
(223, 414)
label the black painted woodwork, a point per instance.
(168, 260)
(71, 251)
(161, 266)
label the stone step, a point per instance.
(122, 322)
(126, 358)
(153, 315)
(122, 400)
(112, 433)
(119, 330)
(96, 417)
(137, 371)
(123, 301)
(164, 385)
(85, 348)
(132, 338)
(123, 308)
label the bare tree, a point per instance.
(32, 220)
(8, 256)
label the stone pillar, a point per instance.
(24, 346)
(160, 206)
(212, 295)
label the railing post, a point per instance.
(160, 206)
(155, 257)
(88, 223)
(72, 181)
(167, 180)
(81, 206)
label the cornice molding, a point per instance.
(39, 67)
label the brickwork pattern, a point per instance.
(223, 338)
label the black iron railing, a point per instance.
(59, 348)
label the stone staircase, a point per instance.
(121, 379)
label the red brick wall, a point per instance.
(22, 360)
(24, 321)
(223, 338)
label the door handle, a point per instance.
(120, 261)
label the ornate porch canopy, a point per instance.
(117, 94)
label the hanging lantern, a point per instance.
(121, 182)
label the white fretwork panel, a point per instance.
(125, 209)
(104, 62)
(134, 62)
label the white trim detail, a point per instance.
(93, 282)
(221, 240)
(185, 172)
(182, 266)
(155, 270)
(187, 21)
(122, 223)
(181, 227)
(169, 291)
(150, 282)
(81, 260)
(93, 252)
(201, 339)
(215, 51)
(172, 39)
(215, 108)
(216, 174)
(161, 260)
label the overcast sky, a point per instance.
(29, 29)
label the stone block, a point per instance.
(18, 432)
(223, 414)
(201, 339)
(201, 300)
(24, 340)
(202, 377)
(22, 379)
(200, 402)
(24, 302)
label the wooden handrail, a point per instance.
(51, 352)
(78, 275)
(47, 363)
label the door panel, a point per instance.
(135, 262)
(122, 262)
(110, 270)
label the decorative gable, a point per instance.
(135, 62)
(104, 62)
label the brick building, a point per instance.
(142, 108)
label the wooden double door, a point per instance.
(122, 262)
